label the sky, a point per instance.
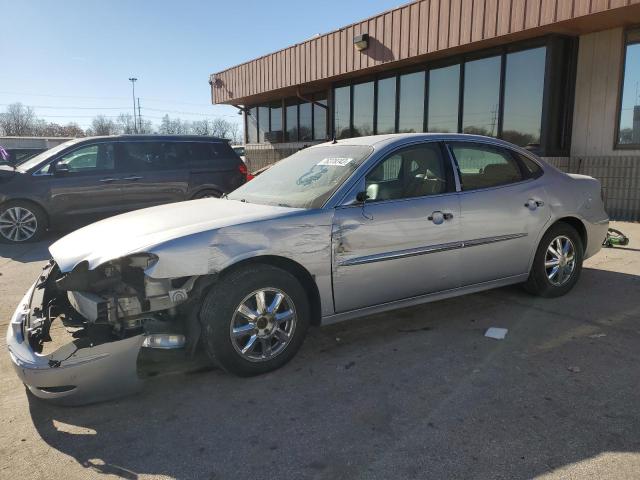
(71, 59)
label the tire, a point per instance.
(207, 194)
(270, 349)
(32, 222)
(542, 279)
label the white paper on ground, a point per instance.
(497, 333)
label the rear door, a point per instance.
(213, 167)
(503, 208)
(149, 175)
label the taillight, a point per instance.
(244, 171)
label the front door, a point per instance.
(504, 209)
(84, 184)
(402, 241)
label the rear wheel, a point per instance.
(255, 319)
(558, 262)
(21, 222)
(207, 194)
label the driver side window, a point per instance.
(89, 159)
(416, 171)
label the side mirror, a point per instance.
(61, 169)
(362, 197)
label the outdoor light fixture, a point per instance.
(361, 41)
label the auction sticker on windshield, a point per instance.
(336, 161)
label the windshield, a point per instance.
(306, 179)
(42, 157)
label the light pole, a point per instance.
(133, 95)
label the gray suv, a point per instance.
(91, 178)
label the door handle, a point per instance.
(439, 217)
(107, 180)
(533, 204)
(133, 178)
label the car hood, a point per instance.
(136, 231)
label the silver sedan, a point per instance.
(336, 231)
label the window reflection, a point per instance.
(481, 96)
(304, 132)
(292, 123)
(263, 122)
(276, 123)
(523, 91)
(342, 113)
(629, 128)
(252, 125)
(386, 121)
(444, 94)
(411, 107)
(320, 119)
(362, 109)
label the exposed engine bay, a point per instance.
(112, 302)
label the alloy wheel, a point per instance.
(560, 260)
(263, 324)
(18, 224)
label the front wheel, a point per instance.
(254, 319)
(21, 222)
(558, 262)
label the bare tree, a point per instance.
(55, 130)
(18, 121)
(234, 134)
(126, 123)
(220, 128)
(201, 127)
(169, 126)
(146, 127)
(101, 125)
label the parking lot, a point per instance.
(416, 393)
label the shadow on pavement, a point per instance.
(422, 395)
(30, 252)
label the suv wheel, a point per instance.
(558, 262)
(21, 222)
(255, 319)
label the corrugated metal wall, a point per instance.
(419, 28)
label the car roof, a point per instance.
(200, 138)
(380, 141)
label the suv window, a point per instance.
(412, 172)
(484, 166)
(141, 156)
(89, 159)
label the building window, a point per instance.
(305, 129)
(386, 111)
(444, 99)
(362, 110)
(411, 104)
(523, 91)
(481, 96)
(252, 125)
(275, 129)
(629, 126)
(342, 112)
(291, 135)
(320, 118)
(263, 122)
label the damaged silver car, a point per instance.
(336, 231)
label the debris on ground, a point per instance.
(615, 237)
(496, 333)
(574, 369)
(598, 335)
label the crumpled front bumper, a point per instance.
(77, 373)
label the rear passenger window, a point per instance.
(484, 166)
(141, 156)
(532, 169)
